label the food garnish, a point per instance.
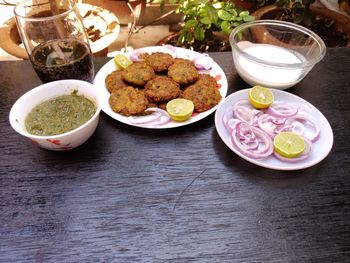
(261, 97)
(180, 109)
(122, 61)
(281, 130)
(288, 144)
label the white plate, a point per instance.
(110, 66)
(320, 148)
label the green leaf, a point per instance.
(181, 38)
(162, 4)
(212, 14)
(243, 14)
(205, 20)
(199, 33)
(226, 27)
(208, 15)
(191, 24)
(235, 24)
(248, 18)
(233, 13)
(224, 15)
(298, 19)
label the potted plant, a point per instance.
(331, 26)
(207, 24)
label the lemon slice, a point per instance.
(289, 144)
(180, 109)
(260, 97)
(122, 61)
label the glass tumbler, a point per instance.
(54, 36)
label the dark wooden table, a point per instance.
(177, 195)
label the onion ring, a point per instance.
(156, 118)
(282, 110)
(264, 143)
(306, 120)
(203, 62)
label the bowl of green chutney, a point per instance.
(59, 115)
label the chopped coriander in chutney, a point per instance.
(59, 115)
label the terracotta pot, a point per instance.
(270, 12)
(11, 42)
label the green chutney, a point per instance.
(59, 115)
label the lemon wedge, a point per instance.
(260, 97)
(289, 144)
(122, 61)
(180, 109)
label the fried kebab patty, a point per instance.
(183, 72)
(138, 73)
(128, 101)
(206, 80)
(162, 88)
(159, 61)
(115, 81)
(203, 96)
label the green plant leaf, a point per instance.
(224, 15)
(243, 14)
(205, 20)
(248, 18)
(191, 24)
(226, 27)
(298, 19)
(208, 15)
(199, 33)
(181, 38)
(233, 13)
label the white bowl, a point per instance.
(273, 53)
(64, 141)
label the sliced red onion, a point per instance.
(171, 48)
(158, 117)
(161, 121)
(263, 149)
(251, 130)
(229, 121)
(231, 124)
(306, 121)
(304, 155)
(282, 110)
(243, 112)
(203, 62)
(134, 55)
(295, 126)
(144, 119)
(271, 125)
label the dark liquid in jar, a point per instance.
(63, 59)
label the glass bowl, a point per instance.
(273, 53)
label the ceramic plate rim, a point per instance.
(99, 82)
(274, 163)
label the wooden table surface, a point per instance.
(177, 195)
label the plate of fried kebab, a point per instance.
(138, 93)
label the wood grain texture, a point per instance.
(178, 195)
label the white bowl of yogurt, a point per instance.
(275, 54)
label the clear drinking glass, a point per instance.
(54, 36)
